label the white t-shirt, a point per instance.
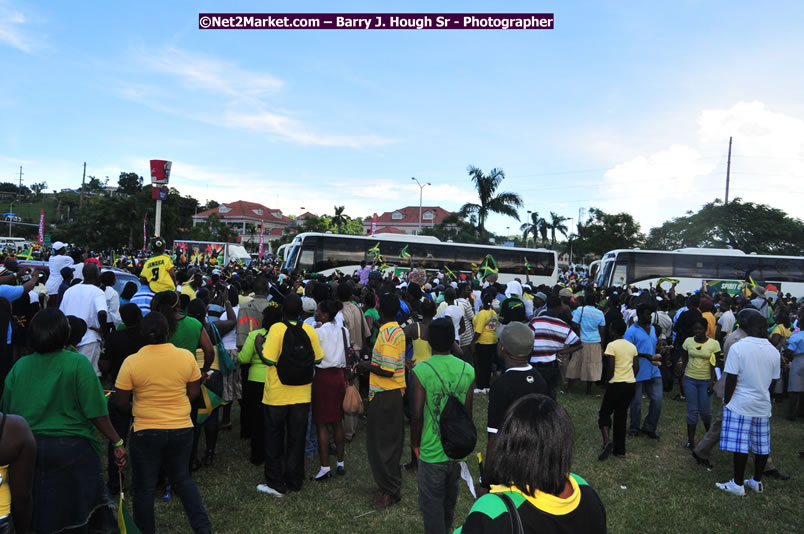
(113, 306)
(85, 301)
(55, 264)
(330, 336)
(230, 338)
(455, 312)
(726, 322)
(756, 363)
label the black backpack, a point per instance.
(296, 364)
(455, 425)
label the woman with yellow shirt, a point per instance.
(164, 380)
(701, 353)
(416, 334)
(484, 344)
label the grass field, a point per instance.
(658, 487)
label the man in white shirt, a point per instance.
(58, 261)
(454, 311)
(725, 324)
(86, 301)
(752, 368)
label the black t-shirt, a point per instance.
(119, 345)
(512, 310)
(683, 326)
(512, 385)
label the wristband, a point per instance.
(117, 444)
(416, 451)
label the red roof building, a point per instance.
(245, 218)
(406, 220)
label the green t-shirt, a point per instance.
(457, 376)
(187, 334)
(57, 394)
(375, 316)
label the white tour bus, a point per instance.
(16, 243)
(324, 253)
(724, 269)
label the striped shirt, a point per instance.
(389, 354)
(143, 298)
(550, 336)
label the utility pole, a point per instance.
(728, 171)
(19, 190)
(81, 199)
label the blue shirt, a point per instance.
(143, 298)
(645, 344)
(589, 318)
(796, 343)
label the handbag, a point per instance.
(352, 403)
(350, 357)
(224, 358)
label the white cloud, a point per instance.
(230, 96)
(11, 30)
(766, 167)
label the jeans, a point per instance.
(285, 429)
(252, 408)
(438, 493)
(653, 387)
(151, 449)
(699, 401)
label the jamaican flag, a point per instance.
(404, 254)
(26, 254)
(211, 396)
(124, 520)
(450, 273)
(527, 265)
(671, 280)
(375, 250)
(488, 267)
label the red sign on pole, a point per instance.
(374, 224)
(144, 232)
(262, 238)
(42, 227)
(160, 171)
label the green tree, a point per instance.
(94, 185)
(38, 188)
(129, 183)
(604, 232)
(556, 224)
(739, 225)
(490, 201)
(536, 226)
(455, 228)
(214, 229)
(339, 218)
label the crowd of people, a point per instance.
(156, 369)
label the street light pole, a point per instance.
(421, 189)
(10, 216)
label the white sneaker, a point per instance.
(731, 487)
(478, 391)
(264, 488)
(754, 485)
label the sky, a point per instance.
(623, 106)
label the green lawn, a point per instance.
(657, 488)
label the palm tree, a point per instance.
(339, 219)
(490, 201)
(537, 225)
(556, 224)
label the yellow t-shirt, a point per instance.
(276, 393)
(157, 271)
(199, 358)
(624, 352)
(702, 357)
(188, 290)
(485, 323)
(158, 375)
(422, 351)
(782, 330)
(5, 492)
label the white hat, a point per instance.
(58, 245)
(308, 305)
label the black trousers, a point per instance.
(616, 400)
(551, 374)
(252, 412)
(484, 356)
(285, 429)
(385, 433)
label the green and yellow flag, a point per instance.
(527, 265)
(211, 401)
(26, 254)
(404, 254)
(488, 267)
(375, 249)
(450, 273)
(124, 520)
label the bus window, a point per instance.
(649, 265)
(430, 256)
(335, 253)
(696, 267)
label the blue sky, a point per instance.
(624, 107)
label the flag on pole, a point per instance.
(527, 265)
(450, 273)
(374, 224)
(144, 232)
(262, 237)
(404, 254)
(375, 249)
(42, 227)
(488, 267)
(26, 254)
(124, 520)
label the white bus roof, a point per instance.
(702, 251)
(407, 238)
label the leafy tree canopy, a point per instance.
(740, 225)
